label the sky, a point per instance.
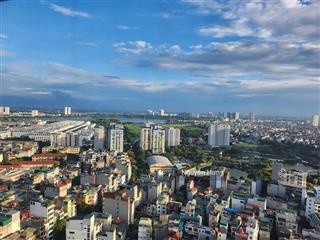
(184, 55)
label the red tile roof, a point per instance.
(3, 187)
(109, 195)
(118, 221)
(48, 162)
(57, 155)
(18, 164)
(24, 214)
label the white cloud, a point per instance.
(3, 36)
(68, 11)
(165, 15)
(292, 20)
(125, 27)
(141, 44)
(237, 28)
(206, 7)
(277, 65)
(53, 79)
(133, 47)
(90, 44)
(277, 85)
(39, 92)
(5, 53)
(45, 76)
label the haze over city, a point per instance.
(179, 55)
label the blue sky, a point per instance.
(178, 55)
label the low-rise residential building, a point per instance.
(44, 209)
(49, 156)
(120, 205)
(265, 228)
(313, 202)
(56, 190)
(61, 149)
(90, 197)
(286, 222)
(238, 200)
(9, 223)
(81, 228)
(145, 229)
(220, 178)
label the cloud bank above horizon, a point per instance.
(182, 56)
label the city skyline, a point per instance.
(194, 56)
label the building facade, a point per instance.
(4, 110)
(115, 138)
(80, 228)
(67, 110)
(145, 229)
(99, 139)
(172, 137)
(219, 135)
(315, 120)
(252, 116)
(153, 138)
(120, 205)
(44, 209)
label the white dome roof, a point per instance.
(158, 160)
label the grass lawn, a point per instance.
(132, 132)
(243, 146)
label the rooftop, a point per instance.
(158, 160)
(145, 221)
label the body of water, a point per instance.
(141, 120)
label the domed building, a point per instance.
(157, 162)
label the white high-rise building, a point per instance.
(252, 116)
(172, 137)
(34, 113)
(153, 138)
(236, 115)
(99, 139)
(4, 110)
(65, 139)
(145, 136)
(315, 120)
(219, 135)
(162, 112)
(158, 136)
(67, 110)
(115, 138)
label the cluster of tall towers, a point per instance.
(109, 139)
(156, 138)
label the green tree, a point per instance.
(59, 231)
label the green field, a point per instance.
(132, 132)
(245, 145)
